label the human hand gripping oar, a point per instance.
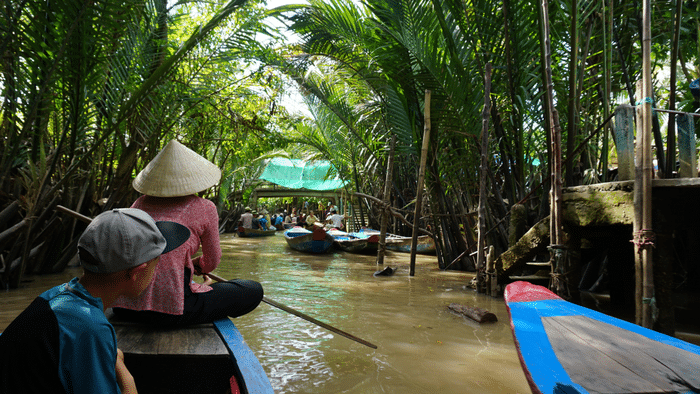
(265, 299)
(303, 316)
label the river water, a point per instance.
(423, 347)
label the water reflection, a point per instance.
(423, 347)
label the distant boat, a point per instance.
(397, 243)
(357, 242)
(204, 358)
(250, 232)
(567, 348)
(303, 240)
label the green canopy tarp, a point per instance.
(299, 174)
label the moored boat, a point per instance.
(358, 242)
(251, 232)
(397, 243)
(303, 240)
(567, 348)
(206, 358)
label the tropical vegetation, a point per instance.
(91, 90)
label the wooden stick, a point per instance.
(483, 179)
(421, 180)
(73, 213)
(381, 249)
(265, 299)
(646, 168)
(303, 316)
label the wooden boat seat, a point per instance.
(192, 359)
(195, 341)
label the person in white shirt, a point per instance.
(246, 219)
(336, 220)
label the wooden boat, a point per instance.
(567, 348)
(397, 243)
(206, 358)
(251, 232)
(303, 240)
(358, 242)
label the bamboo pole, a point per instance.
(303, 316)
(483, 178)
(557, 256)
(607, 84)
(572, 116)
(671, 135)
(421, 180)
(643, 234)
(381, 250)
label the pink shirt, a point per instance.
(166, 292)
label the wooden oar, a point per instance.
(265, 299)
(304, 316)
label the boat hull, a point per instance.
(564, 347)
(194, 359)
(249, 232)
(396, 243)
(303, 240)
(355, 242)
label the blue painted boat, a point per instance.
(567, 348)
(205, 358)
(425, 244)
(303, 240)
(356, 242)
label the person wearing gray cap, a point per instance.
(62, 342)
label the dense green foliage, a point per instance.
(91, 90)
(368, 65)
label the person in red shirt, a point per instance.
(169, 183)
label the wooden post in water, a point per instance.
(483, 178)
(556, 249)
(421, 179)
(381, 250)
(643, 234)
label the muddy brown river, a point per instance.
(422, 346)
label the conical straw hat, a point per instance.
(176, 171)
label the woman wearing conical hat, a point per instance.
(168, 184)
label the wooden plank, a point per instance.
(565, 347)
(676, 182)
(195, 341)
(608, 359)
